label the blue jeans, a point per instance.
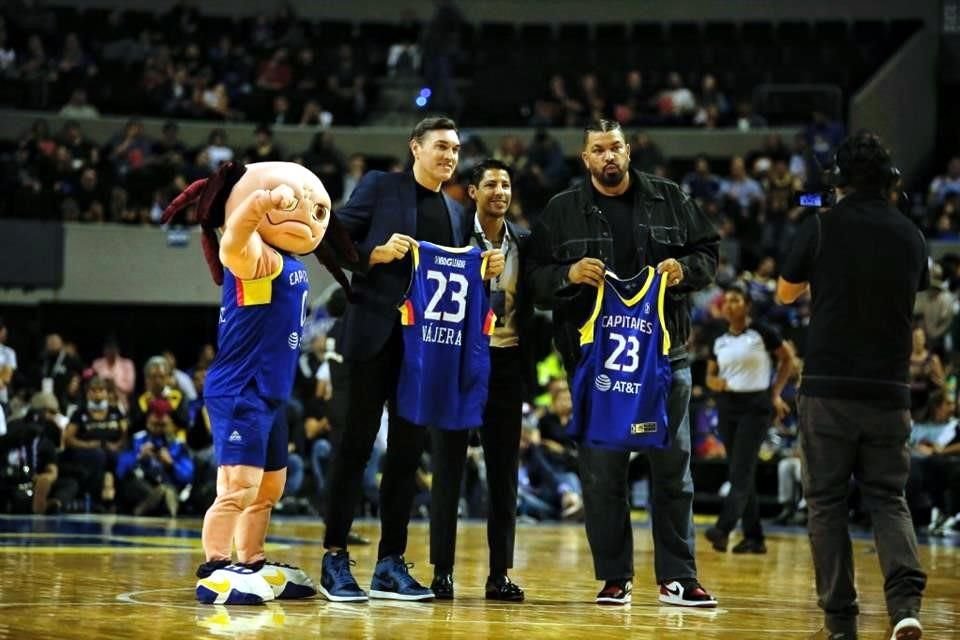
(607, 506)
(319, 459)
(294, 475)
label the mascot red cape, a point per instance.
(266, 214)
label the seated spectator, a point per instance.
(156, 467)
(926, 375)
(712, 101)
(212, 101)
(8, 365)
(781, 214)
(56, 366)
(78, 108)
(946, 185)
(157, 378)
(314, 115)
(356, 167)
(113, 366)
(92, 442)
(935, 465)
(29, 476)
(327, 161)
(545, 492)
(275, 73)
(936, 308)
(676, 103)
(217, 150)
(88, 197)
(646, 156)
(181, 379)
(264, 149)
(702, 185)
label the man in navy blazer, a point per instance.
(386, 215)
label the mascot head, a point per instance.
(296, 223)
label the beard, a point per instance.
(612, 178)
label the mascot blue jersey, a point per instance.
(447, 322)
(259, 336)
(622, 381)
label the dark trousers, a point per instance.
(744, 421)
(500, 436)
(840, 438)
(604, 472)
(372, 383)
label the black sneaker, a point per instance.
(750, 545)
(686, 593)
(616, 592)
(718, 538)
(501, 588)
(442, 586)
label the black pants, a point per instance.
(840, 438)
(606, 502)
(744, 421)
(500, 436)
(372, 383)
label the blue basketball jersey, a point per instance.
(259, 334)
(622, 381)
(447, 322)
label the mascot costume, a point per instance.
(267, 214)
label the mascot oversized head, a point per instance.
(281, 204)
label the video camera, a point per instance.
(815, 199)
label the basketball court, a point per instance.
(124, 577)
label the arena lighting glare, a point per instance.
(421, 101)
(426, 92)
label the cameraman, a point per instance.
(864, 262)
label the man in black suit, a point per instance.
(490, 188)
(386, 215)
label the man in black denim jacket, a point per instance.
(621, 220)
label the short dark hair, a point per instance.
(476, 175)
(433, 123)
(740, 288)
(863, 162)
(600, 126)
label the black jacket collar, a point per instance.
(643, 189)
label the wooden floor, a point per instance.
(117, 577)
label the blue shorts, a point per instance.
(249, 429)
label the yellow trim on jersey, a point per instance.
(643, 290)
(660, 309)
(258, 290)
(586, 331)
(416, 256)
(483, 268)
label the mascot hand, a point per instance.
(281, 198)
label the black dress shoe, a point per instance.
(442, 586)
(500, 588)
(357, 539)
(750, 545)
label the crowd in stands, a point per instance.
(103, 433)
(281, 68)
(83, 431)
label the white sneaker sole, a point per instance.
(706, 604)
(615, 601)
(907, 629)
(391, 595)
(332, 598)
